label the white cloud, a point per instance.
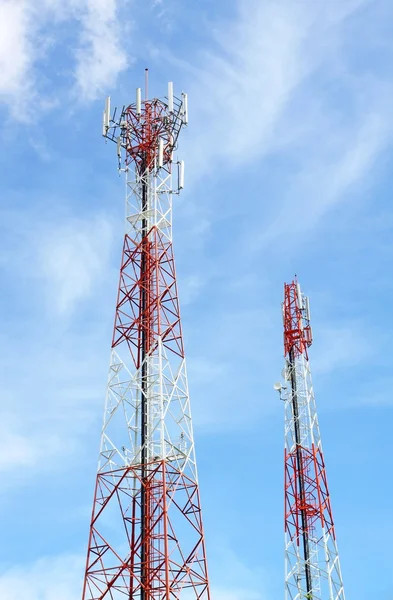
(329, 172)
(243, 87)
(191, 286)
(47, 410)
(61, 578)
(48, 578)
(278, 81)
(15, 52)
(342, 346)
(101, 55)
(29, 450)
(73, 257)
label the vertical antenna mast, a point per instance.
(146, 535)
(312, 565)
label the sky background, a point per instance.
(288, 159)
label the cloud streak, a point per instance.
(98, 57)
(72, 259)
(101, 56)
(48, 578)
(279, 81)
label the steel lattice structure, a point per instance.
(146, 536)
(312, 565)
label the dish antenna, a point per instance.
(277, 387)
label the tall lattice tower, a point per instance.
(312, 565)
(146, 537)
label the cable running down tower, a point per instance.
(312, 565)
(146, 537)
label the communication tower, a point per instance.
(312, 564)
(146, 537)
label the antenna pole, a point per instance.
(301, 482)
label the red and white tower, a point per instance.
(312, 564)
(146, 536)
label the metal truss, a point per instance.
(312, 565)
(146, 535)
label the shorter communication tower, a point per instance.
(312, 565)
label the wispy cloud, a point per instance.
(243, 87)
(341, 346)
(16, 53)
(278, 81)
(59, 265)
(57, 577)
(330, 171)
(30, 450)
(72, 258)
(99, 54)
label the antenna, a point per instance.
(104, 130)
(106, 116)
(119, 146)
(299, 296)
(307, 309)
(146, 84)
(160, 153)
(138, 100)
(181, 174)
(185, 108)
(277, 386)
(170, 96)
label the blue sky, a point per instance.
(288, 170)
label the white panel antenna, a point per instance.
(160, 152)
(299, 296)
(170, 96)
(181, 174)
(104, 130)
(106, 116)
(107, 110)
(307, 309)
(138, 100)
(119, 146)
(185, 108)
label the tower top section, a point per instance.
(296, 318)
(146, 131)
